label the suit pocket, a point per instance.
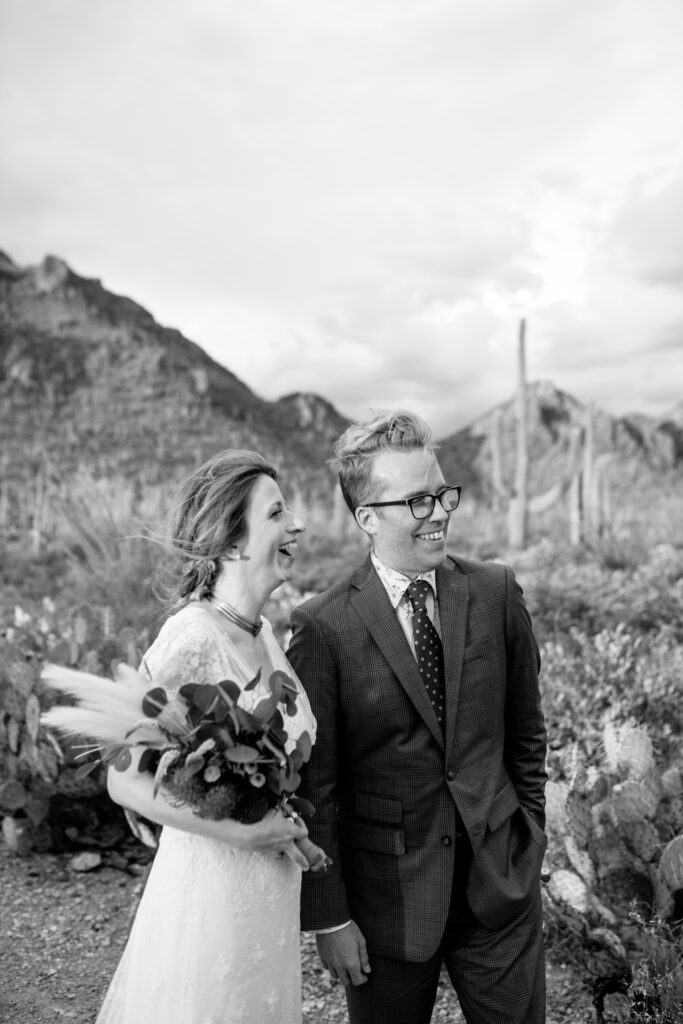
(482, 648)
(373, 838)
(379, 808)
(504, 804)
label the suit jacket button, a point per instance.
(450, 774)
(446, 841)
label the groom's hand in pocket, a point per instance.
(344, 954)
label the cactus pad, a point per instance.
(579, 817)
(580, 860)
(672, 783)
(641, 838)
(671, 865)
(555, 806)
(632, 801)
(566, 887)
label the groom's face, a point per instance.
(409, 545)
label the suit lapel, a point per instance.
(453, 592)
(374, 607)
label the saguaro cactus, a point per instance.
(518, 510)
(520, 504)
(589, 510)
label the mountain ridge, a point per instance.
(91, 383)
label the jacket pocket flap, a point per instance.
(480, 648)
(379, 808)
(374, 838)
(505, 803)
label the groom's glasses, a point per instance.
(422, 505)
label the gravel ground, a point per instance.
(63, 932)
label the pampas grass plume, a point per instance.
(107, 710)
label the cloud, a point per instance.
(363, 199)
(648, 233)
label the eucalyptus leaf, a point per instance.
(241, 754)
(304, 745)
(283, 680)
(265, 708)
(187, 691)
(248, 722)
(147, 760)
(123, 759)
(275, 782)
(252, 684)
(205, 697)
(195, 715)
(230, 691)
(275, 684)
(301, 806)
(291, 782)
(112, 752)
(154, 701)
(220, 712)
(84, 770)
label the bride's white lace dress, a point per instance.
(216, 936)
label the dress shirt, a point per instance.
(396, 583)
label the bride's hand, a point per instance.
(277, 834)
(316, 858)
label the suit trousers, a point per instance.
(498, 976)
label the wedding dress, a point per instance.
(216, 936)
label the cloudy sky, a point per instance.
(362, 198)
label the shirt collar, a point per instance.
(395, 582)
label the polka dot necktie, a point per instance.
(428, 649)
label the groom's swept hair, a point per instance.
(355, 451)
(207, 517)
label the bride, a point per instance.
(216, 936)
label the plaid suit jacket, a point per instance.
(390, 792)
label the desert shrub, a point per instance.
(44, 803)
(567, 591)
(615, 675)
(614, 872)
(656, 989)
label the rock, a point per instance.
(87, 861)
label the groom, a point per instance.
(428, 771)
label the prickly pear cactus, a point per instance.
(38, 768)
(615, 834)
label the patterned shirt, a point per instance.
(395, 584)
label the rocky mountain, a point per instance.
(91, 384)
(636, 447)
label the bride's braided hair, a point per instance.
(208, 516)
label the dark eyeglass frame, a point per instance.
(410, 502)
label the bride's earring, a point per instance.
(233, 554)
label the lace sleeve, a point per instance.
(184, 652)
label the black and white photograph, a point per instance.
(341, 512)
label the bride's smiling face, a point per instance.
(271, 538)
